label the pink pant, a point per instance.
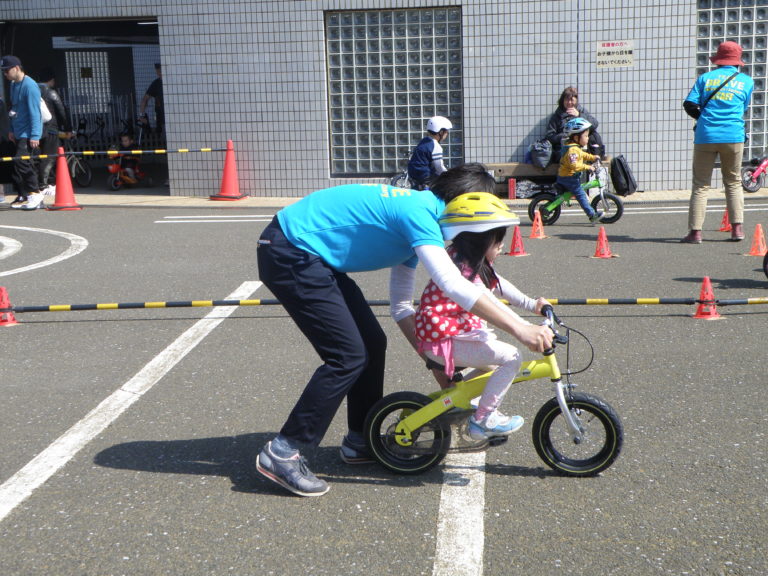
(503, 358)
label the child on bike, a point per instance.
(129, 163)
(575, 160)
(426, 162)
(450, 336)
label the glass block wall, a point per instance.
(745, 22)
(388, 73)
(267, 78)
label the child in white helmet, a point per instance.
(426, 161)
(575, 160)
(449, 335)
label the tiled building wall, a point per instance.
(255, 72)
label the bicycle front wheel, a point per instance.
(610, 205)
(400, 180)
(429, 443)
(765, 264)
(598, 447)
(749, 183)
(81, 172)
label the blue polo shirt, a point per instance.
(722, 119)
(25, 101)
(362, 227)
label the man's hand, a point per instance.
(34, 143)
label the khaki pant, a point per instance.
(704, 156)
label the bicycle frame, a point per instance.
(461, 395)
(566, 196)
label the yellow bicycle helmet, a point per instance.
(475, 212)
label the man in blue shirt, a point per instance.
(304, 257)
(26, 130)
(718, 100)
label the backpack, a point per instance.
(623, 181)
(541, 153)
(45, 110)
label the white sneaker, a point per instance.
(495, 424)
(49, 190)
(34, 201)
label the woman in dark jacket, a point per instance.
(568, 107)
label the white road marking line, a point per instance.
(211, 221)
(210, 217)
(461, 517)
(22, 484)
(10, 247)
(76, 245)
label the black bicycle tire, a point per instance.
(765, 265)
(602, 459)
(400, 180)
(748, 184)
(612, 198)
(82, 173)
(382, 447)
(115, 183)
(547, 218)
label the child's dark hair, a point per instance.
(470, 177)
(470, 248)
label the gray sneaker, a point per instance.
(291, 473)
(354, 453)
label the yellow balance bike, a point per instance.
(574, 433)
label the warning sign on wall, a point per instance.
(615, 54)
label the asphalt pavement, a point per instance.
(128, 436)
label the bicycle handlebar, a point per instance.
(552, 321)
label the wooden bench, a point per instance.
(504, 172)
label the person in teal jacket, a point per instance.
(718, 100)
(305, 256)
(26, 129)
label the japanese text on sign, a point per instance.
(615, 54)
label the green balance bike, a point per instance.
(549, 204)
(574, 433)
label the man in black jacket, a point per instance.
(59, 122)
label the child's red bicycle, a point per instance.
(120, 177)
(753, 177)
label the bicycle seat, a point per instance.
(559, 188)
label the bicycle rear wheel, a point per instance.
(599, 446)
(81, 171)
(539, 204)
(429, 443)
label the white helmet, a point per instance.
(437, 123)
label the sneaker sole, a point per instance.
(358, 460)
(267, 474)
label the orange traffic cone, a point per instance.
(538, 227)
(758, 242)
(230, 187)
(707, 308)
(725, 225)
(6, 312)
(603, 250)
(65, 196)
(517, 248)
